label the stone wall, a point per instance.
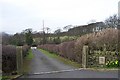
(97, 58)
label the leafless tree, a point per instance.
(112, 21)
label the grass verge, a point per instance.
(10, 77)
(64, 60)
(27, 60)
(30, 55)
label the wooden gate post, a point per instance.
(84, 56)
(19, 59)
(0, 61)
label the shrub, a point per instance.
(50, 47)
(8, 58)
(107, 38)
(25, 49)
(111, 64)
(65, 49)
(62, 48)
(70, 50)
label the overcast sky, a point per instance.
(18, 15)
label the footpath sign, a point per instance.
(101, 60)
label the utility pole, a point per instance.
(43, 26)
(43, 33)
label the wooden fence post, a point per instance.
(84, 56)
(19, 59)
(0, 61)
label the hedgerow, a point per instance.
(9, 53)
(8, 58)
(108, 39)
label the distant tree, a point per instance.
(57, 40)
(48, 39)
(47, 28)
(112, 21)
(57, 31)
(5, 38)
(18, 39)
(67, 27)
(28, 36)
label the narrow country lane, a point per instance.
(43, 66)
(43, 63)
